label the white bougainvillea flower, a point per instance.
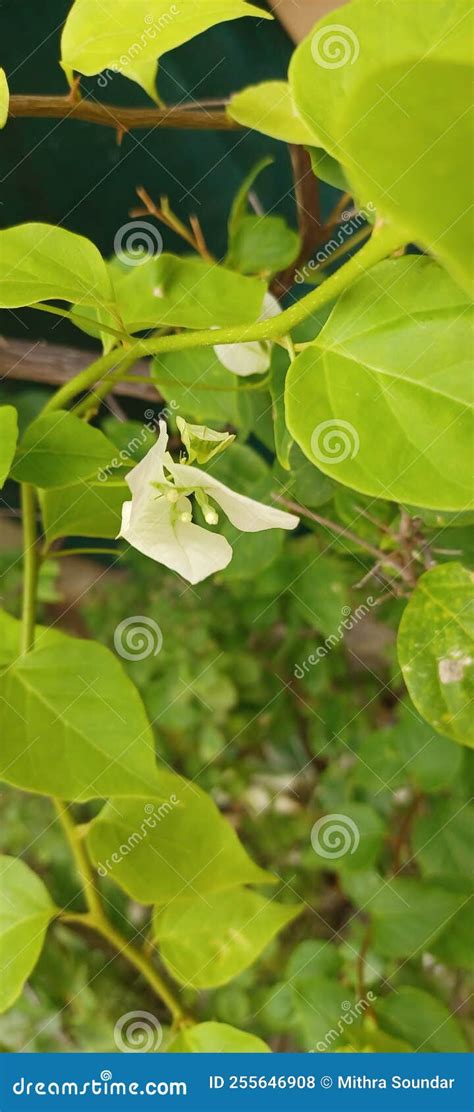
(254, 357)
(158, 519)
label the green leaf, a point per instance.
(409, 914)
(381, 400)
(130, 37)
(170, 291)
(320, 1002)
(74, 725)
(204, 391)
(270, 109)
(454, 945)
(435, 650)
(40, 262)
(59, 449)
(25, 911)
(263, 244)
(215, 1038)
(4, 98)
(443, 839)
(10, 636)
(319, 588)
(407, 752)
(422, 1019)
(377, 103)
(240, 203)
(206, 942)
(87, 509)
(328, 169)
(8, 439)
(179, 848)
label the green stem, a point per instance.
(30, 567)
(382, 242)
(81, 859)
(97, 919)
(84, 380)
(106, 383)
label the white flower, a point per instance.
(158, 519)
(254, 357)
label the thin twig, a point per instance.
(123, 119)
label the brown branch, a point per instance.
(120, 118)
(341, 531)
(54, 364)
(308, 209)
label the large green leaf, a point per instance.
(25, 911)
(183, 849)
(201, 386)
(435, 650)
(73, 724)
(215, 1038)
(207, 941)
(270, 108)
(87, 509)
(422, 1019)
(8, 438)
(58, 449)
(409, 914)
(169, 291)
(389, 99)
(4, 98)
(131, 34)
(40, 262)
(381, 400)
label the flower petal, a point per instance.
(193, 552)
(247, 514)
(150, 469)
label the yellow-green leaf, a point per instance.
(129, 34)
